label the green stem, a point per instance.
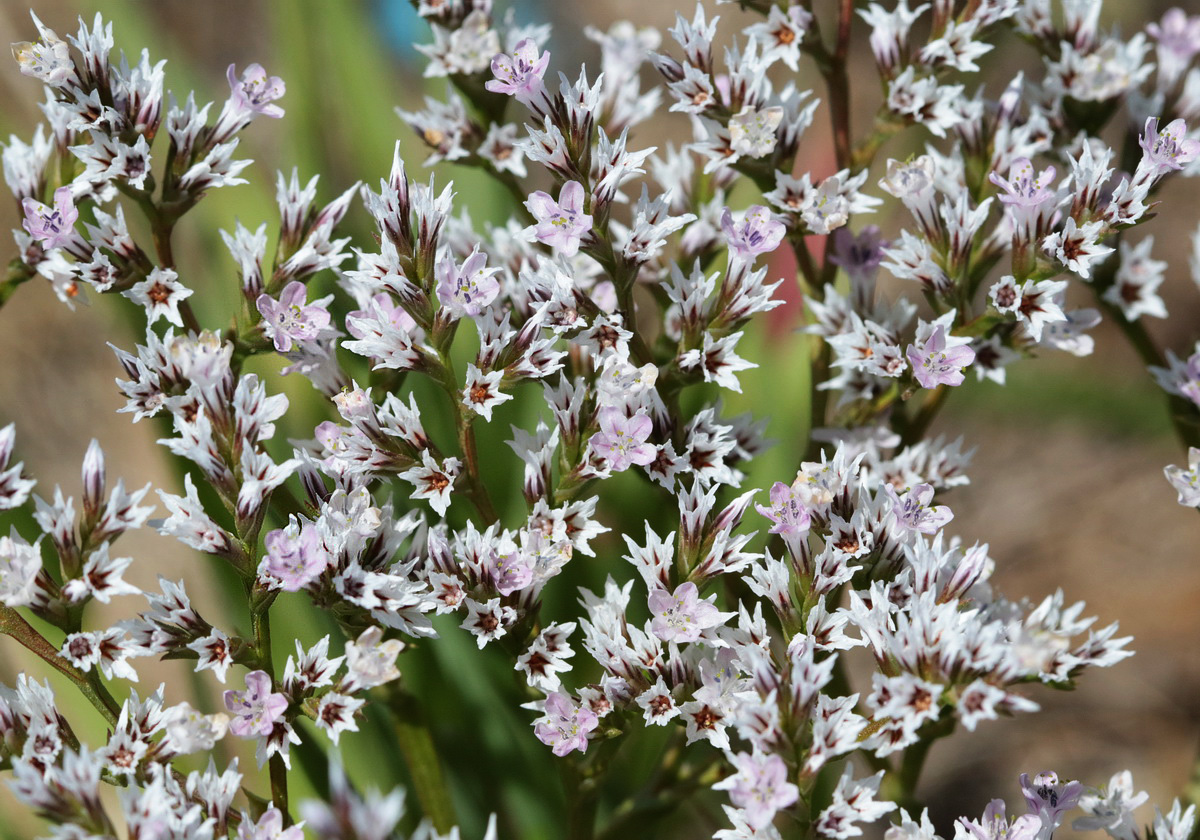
(909, 774)
(476, 490)
(260, 620)
(416, 744)
(16, 274)
(14, 625)
(818, 398)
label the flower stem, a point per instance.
(476, 489)
(260, 620)
(16, 274)
(837, 82)
(13, 624)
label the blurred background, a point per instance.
(1068, 485)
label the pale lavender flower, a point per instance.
(295, 556)
(681, 616)
(860, 257)
(291, 320)
(1024, 187)
(1186, 483)
(621, 440)
(934, 363)
(760, 787)
(521, 73)
(1048, 799)
(789, 509)
(52, 227)
(560, 224)
(257, 708)
(757, 233)
(1189, 385)
(1167, 150)
(1026, 192)
(995, 825)
(255, 92)
(467, 289)
(269, 827)
(913, 511)
(565, 726)
(1178, 37)
(510, 573)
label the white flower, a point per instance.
(753, 131)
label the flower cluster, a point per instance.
(599, 323)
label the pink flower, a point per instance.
(1191, 387)
(1026, 192)
(621, 440)
(511, 573)
(269, 827)
(53, 228)
(565, 725)
(1178, 39)
(1049, 799)
(789, 510)
(995, 825)
(295, 556)
(561, 224)
(255, 92)
(467, 289)
(256, 709)
(521, 73)
(936, 364)
(760, 788)
(289, 320)
(758, 233)
(682, 616)
(381, 306)
(1167, 150)
(1021, 187)
(913, 512)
